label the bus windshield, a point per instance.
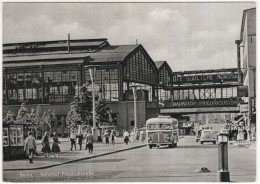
(161, 126)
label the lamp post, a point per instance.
(134, 88)
(223, 173)
(92, 72)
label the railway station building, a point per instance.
(49, 74)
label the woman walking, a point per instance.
(113, 138)
(46, 145)
(30, 147)
(132, 136)
(55, 145)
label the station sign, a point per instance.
(204, 103)
(201, 78)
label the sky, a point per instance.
(189, 36)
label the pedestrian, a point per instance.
(73, 139)
(235, 133)
(107, 139)
(113, 134)
(89, 142)
(142, 135)
(80, 139)
(126, 137)
(30, 147)
(229, 134)
(137, 136)
(55, 145)
(245, 134)
(132, 136)
(240, 135)
(46, 144)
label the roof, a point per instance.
(162, 120)
(54, 45)
(108, 54)
(159, 63)
(243, 21)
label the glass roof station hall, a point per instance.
(50, 73)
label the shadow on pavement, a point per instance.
(101, 160)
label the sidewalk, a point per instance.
(67, 156)
(247, 144)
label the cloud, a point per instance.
(188, 36)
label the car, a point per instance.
(209, 135)
(198, 135)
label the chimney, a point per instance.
(68, 42)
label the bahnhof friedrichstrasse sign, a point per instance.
(204, 103)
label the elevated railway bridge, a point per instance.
(203, 91)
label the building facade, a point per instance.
(247, 45)
(50, 73)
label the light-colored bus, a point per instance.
(162, 131)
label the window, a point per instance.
(132, 123)
(139, 69)
(5, 137)
(16, 136)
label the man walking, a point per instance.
(126, 137)
(80, 139)
(30, 146)
(90, 141)
(73, 139)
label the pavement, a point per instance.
(67, 156)
(246, 144)
(161, 164)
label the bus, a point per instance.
(162, 130)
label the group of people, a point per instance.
(30, 142)
(133, 136)
(88, 137)
(30, 146)
(107, 136)
(239, 134)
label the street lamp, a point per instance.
(223, 173)
(134, 88)
(92, 72)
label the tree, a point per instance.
(9, 118)
(73, 118)
(103, 114)
(23, 115)
(47, 118)
(82, 104)
(34, 117)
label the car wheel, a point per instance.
(175, 145)
(150, 146)
(214, 142)
(197, 140)
(201, 142)
(170, 146)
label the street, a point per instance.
(148, 165)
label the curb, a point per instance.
(71, 161)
